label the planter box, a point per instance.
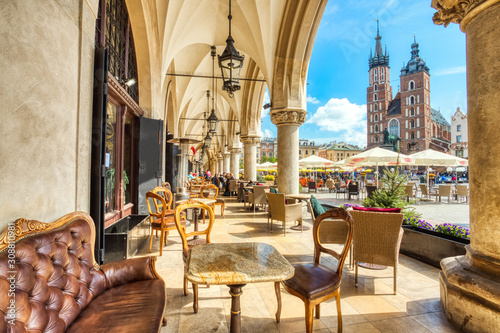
(430, 246)
(125, 237)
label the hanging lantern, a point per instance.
(212, 121)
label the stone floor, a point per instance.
(369, 308)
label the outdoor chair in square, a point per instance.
(315, 283)
(444, 191)
(370, 189)
(233, 187)
(339, 189)
(312, 186)
(211, 192)
(376, 240)
(330, 185)
(280, 211)
(425, 193)
(409, 191)
(258, 196)
(353, 190)
(462, 192)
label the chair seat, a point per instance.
(169, 223)
(191, 244)
(313, 280)
(219, 201)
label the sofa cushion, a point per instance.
(132, 307)
(376, 209)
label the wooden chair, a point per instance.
(160, 221)
(211, 192)
(352, 189)
(444, 191)
(312, 186)
(197, 240)
(462, 191)
(167, 186)
(316, 283)
(278, 210)
(377, 239)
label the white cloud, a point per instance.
(312, 100)
(345, 120)
(267, 99)
(450, 70)
(267, 133)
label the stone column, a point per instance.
(221, 164)
(226, 163)
(470, 284)
(250, 156)
(235, 162)
(288, 121)
(183, 163)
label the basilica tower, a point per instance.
(378, 93)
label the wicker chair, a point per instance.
(409, 191)
(444, 191)
(258, 196)
(330, 185)
(316, 283)
(462, 191)
(278, 210)
(188, 244)
(377, 238)
(233, 187)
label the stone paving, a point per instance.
(371, 307)
(432, 211)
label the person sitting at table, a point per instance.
(229, 177)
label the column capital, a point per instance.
(288, 116)
(458, 11)
(234, 150)
(250, 139)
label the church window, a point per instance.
(412, 112)
(375, 107)
(412, 100)
(412, 123)
(376, 78)
(412, 135)
(375, 71)
(382, 70)
(382, 77)
(376, 117)
(376, 139)
(411, 85)
(394, 127)
(375, 88)
(376, 128)
(374, 97)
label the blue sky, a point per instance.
(338, 70)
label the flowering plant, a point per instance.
(346, 206)
(419, 223)
(453, 230)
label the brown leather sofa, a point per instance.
(60, 288)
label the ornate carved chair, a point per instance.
(211, 192)
(316, 283)
(196, 240)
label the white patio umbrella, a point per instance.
(267, 165)
(431, 157)
(378, 157)
(315, 161)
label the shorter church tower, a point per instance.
(378, 93)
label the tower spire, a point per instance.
(378, 58)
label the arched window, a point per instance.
(376, 129)
(394, 127)
(376, 139)
(412, 100)
(411, 85)
(412, 112)
(307, 152)
(412, 123)
(374, 97)
(375, 118)
(412, 135)
(375, 71)
(375, 107)
(375, 88)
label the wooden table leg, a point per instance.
(235, 292)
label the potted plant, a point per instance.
(269, 179)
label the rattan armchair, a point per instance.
(444, 191)
(462, 191)
(377, 239)
(258, 196)
(278, 210)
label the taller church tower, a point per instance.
(378, 93)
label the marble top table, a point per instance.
(235, 265)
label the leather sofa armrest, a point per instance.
(129, 270)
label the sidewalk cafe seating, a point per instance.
(60, 287)
(233, 187)
(444, 191)
(279, 210)
(425, 191)
(312, 186)
(187, 244)
(462, 191)
(315, 283)
(258, 196)
(377, 238)
(330, 185)
(370, 189)
(211, 192)
(339, 189)
(409, 191)
(353, 189)
(162, 217)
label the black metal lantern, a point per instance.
(230, 63)
(212, 121)
(208, 141)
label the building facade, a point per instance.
(269, 147)
(339, 151)
(459, 137)
(408, 115)
(307, 148)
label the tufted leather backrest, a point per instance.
(56, 274)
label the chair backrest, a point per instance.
(330, 184)
(409, 190)
(353, 188)
(423, 189)
(160, 207)
(276, 205)
(259, 194)
(312, 184)
(166, 194)
(233, 185)
(325, 228)
(444, 190)
(370, 189)
(209, 191)
(196, 181)
(166, 185)
(193, 204)
(462, 190)
(377, 237)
